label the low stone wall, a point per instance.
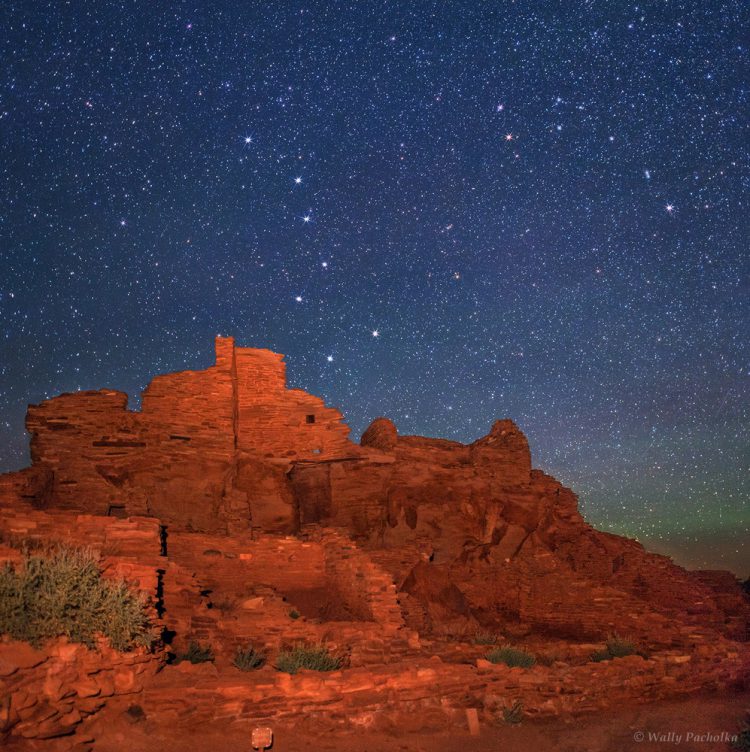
(247, 580)
(361, 695)
(46, 693)
(364, 585)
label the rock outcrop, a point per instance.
(472, 536)
(47, 693)
(206, 447)
(253, 519)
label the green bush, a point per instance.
(485, 638)
(616, 647)
(62, 593)
(514, 714)
(248, 659)
(313, 657)
(196, 653)
(549, 658)
(512, 657)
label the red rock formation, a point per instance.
(471, 536)
(47, 693)
(205, 448)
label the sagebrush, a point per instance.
(485, 638)
(616, 647)
(62, 593)
(514, 714)
(249, 659)
(513, 657)
(313, 657)
(197, 653)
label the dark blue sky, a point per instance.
(541, 209)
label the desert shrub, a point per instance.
(548, 659)
(513, 657)
(248, 659)
(616, 647)
(485, 638)
(313, 657)
(62, 593)
(619, 647)
(196, 653)
(514, 714)
(294, 614)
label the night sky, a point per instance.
(442, 212)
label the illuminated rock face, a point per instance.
(204, 444)
(470, 535)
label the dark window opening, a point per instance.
(117, 510)
(163, 540)
(310, 419)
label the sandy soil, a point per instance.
(614, 731)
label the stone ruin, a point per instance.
(243, 510)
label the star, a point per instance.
(248, 139)
(375, 333)
(297, 181)
(324, 264)
(329, 358)
(508, 136)
(298, 298)
(670, 208)
(307, 218)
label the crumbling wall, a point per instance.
(193, 456)
(46, 693)
(279, 422)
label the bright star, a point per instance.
(299, 298)
(307, 218)
(297, 181)
(508, 136)
(375, 333)
(330, 358)
(325, 264)
(248, 139)
(669, 208)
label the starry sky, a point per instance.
(442, 212)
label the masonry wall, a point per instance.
(280, 422)
(187, 456)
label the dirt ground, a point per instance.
(679, 725)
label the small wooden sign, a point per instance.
(262, 737)
(472, 720)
